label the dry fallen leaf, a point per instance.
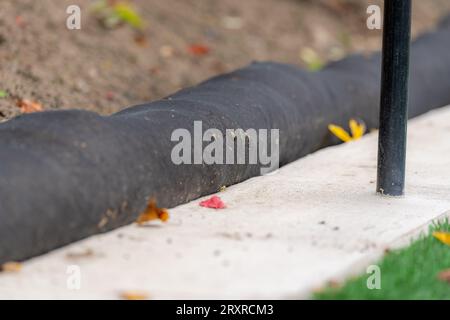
(232, 23)
(312, 60)
(141, 40)
(20, 21)
(28, 106)
(152, 212)
(88, 252)
(166, 51)
(11, 267)
(134, 295)
(444, 276)
(443, 237)
(198, 49)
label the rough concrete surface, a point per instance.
(281, 235)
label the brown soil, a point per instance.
(106, 70)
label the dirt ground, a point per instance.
(183, 42)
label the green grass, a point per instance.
(410, 273)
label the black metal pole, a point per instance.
(394, 97)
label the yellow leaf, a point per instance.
(340, 133)
(444, 237)
(134, 295)
(11, 266)
(128, 14)
(357, 129)
(311, 59)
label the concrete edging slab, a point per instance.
(281, 236)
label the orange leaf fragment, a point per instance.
(134, 295)
(141, 40)
(28, 106)
(152, 212)
(11, 267)
(198, 49)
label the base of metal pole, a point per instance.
(394, 97)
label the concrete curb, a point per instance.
(281, 236)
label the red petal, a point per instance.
(214, 202)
